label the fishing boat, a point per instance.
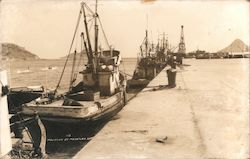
(150, 62)
(162, 50)
(82, 110)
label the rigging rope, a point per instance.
(126, 73)
(72, 71)
(91, 25)
(89, 9)
(81, 54)
(76, 41)
(79, 62)
(60, 79)
(105, 37)
(100, 25)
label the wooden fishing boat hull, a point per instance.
(66, 123)
(72, 129)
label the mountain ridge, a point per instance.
(236, 46)
(16, 52)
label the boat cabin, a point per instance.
(108, 79)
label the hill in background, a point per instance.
(236, 46)
(15, 52)
(79, 55)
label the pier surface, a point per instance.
(205, 116)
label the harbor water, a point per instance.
(47, 72)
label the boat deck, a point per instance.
(57, 103)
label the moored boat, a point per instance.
(150, 62)
(87, 106)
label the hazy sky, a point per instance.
(45, 27)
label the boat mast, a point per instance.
(96, 35)
(158, 44)
(91, 58)
(96, 30)
(163, 41)
(85, 46)
(146, 43)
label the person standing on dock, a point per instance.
(171, 71)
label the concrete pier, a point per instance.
(205, 116)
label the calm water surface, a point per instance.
(32, 73)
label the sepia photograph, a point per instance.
(124, 79)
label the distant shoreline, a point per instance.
(56, 59)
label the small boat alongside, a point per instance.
(18, 96)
